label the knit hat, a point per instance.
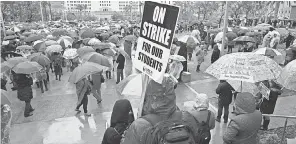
(245, 103)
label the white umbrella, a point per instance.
(131, 85)
(185, 38)
(288, 76)
(268, 52)
(248, 67)
(70, 53)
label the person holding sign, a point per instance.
(267, 103)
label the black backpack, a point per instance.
(172, 131)
(203, 131)
(176, 130)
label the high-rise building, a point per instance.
(287, 10)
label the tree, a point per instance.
(80, 8)
(117, 16)
(236, 8)
(128, 9)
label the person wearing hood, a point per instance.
(200, 109)
(121, 118)
(243, 128)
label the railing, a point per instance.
(286, 122)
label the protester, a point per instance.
(243, 128)
(120, 60)
(24, 91)
(42, 78)
(267, 106)
(160, 112)
(83, 89)
(200, 55)
(6, 116)
(216, 54)
(289, 39)
(96, 80)
(128, 45)
(68, 64)
(200, 110)
(121, 118)
(224, 90)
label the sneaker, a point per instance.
(218, 120)
(32, 110)
(87, 114)
(225, 121)
(77, 110)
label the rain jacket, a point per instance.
(266, 40)
(23, 85)
(199, 109)
(83, 88)
(122, 116)
(243, 128)
(161, 100)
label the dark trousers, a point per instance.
(84, 102)
(28, 107)
(226, 110)
(47, 76)
(108, 74)
(230, 48)
(119, 75)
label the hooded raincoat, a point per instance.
(243, 128)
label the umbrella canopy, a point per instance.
(130, 38)
(39, 45)
(104, 36)
(288, 76)
(262, 26)
(248, 67)
(252, 33)
(88, 33)
(65, 43)
(67, 38)
(240, 86)
(70, 53)
(114, 39)
(93, 41)
(84, 70)
(73, 34)
(16, 29)
(27, 33)
(10, 37)
(4, 98)
(40, 58)
(33, 37)
(51, 37)
(268, 52)
(54, 48)
(84, 50)
(185, 38)
(131, 85)
(102, 46)
(27, 67)
(85, 41)
(15, 60)
(244, 39)
(108, 52)
(9, 32)
(59, 32)
(24, 47)
(231, 35)
(96, 58)
(177, 58)
(51, 42)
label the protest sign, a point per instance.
(156, 36)
(264, 90)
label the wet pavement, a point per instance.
(55, 121)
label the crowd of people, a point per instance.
(162, 120)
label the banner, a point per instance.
(264, 90)
(156, 36)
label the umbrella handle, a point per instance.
(241, 86)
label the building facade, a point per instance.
(287, 10)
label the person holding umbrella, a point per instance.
(24, 91)
(83, 89)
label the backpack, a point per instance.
(204, 131)
(172, 131)
(177, 130)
